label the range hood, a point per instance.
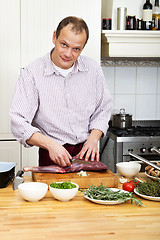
(130, 43)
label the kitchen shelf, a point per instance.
(130, 43)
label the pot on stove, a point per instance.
(122, 120)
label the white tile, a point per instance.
(158, 107)
(109, 76)
(113, 103)
(146, 107)
(146, 80)
(125, 80)
(125, 101)
(158, 90)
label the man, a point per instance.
(61, 103)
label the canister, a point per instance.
(106, 23)
(139, 24)
(131, 23)
(121, 18)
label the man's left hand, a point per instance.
(90, 147)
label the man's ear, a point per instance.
(54, 37)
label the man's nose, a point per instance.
(68, 52)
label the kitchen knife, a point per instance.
(145, 161)
(77, 160)
(18, 179)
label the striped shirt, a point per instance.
(63, 108)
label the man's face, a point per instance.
(68, 47)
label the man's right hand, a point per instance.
(58, 154)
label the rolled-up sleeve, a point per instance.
(23, 108)
(101, 116)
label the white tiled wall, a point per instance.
(137, 89)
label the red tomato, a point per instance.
(135, 182)
(127, 186)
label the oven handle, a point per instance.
(156, 150)
(145, 161)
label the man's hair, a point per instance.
(78, 25)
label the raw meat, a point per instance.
(75, 167)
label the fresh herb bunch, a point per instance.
(63, 185)
(104, 193)
(149, 188)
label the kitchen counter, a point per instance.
(76, 219)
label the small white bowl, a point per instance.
(33, 191)
(64, 195)
(128, 169)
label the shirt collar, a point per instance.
(50, 69)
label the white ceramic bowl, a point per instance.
(128, 169)
(33, 191)
(64, 195)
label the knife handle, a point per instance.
(19, 173)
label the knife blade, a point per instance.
(18, 179)
(75, 160)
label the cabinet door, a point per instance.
(9, 59)
(10, 152)
(30, 156)
(39, 19)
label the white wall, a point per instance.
(137, 89)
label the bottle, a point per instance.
(147, 15)
(156, 16)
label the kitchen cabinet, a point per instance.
(10, 151)
(9, 59)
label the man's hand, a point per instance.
(58, 154)
(90, 147)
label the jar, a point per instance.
(106, 24)
(139, 24)
(131, 23)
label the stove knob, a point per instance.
(143, 150)
(150, 149)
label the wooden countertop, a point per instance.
(76, 219)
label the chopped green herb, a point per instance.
(63, 185)
(149, 188)
(106, 194)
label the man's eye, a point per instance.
(63, 45)
(77, 49)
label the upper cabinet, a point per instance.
(39, 19)
(9, 60)
(128, 43)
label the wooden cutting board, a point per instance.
(107, 178)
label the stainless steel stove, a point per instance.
(140, 139)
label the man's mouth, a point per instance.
(65, 59)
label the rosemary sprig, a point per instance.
(106, 194)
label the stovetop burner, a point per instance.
(136, 131)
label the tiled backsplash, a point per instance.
(137, 89)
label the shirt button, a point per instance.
(68, 95)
